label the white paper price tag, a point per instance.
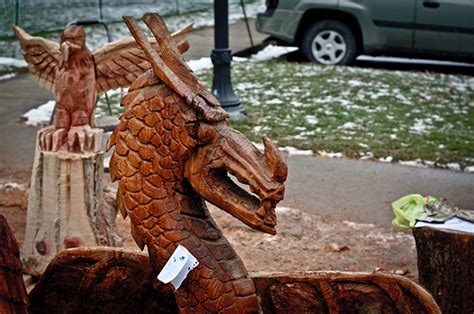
(178, 267)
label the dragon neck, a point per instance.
(152, 143)
(183, 219)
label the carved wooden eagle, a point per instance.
(76, 77)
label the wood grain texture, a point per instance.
(104, 280)
(173, 150)
(13, 296)
(446, 267)
(66, 206)
(100, 280)
(340, 292)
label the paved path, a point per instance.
(362, 191)
(354, 190)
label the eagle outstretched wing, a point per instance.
(42, 55)
(119, 63)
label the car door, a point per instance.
(394, 21)
(445, 27)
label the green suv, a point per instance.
(337, 31)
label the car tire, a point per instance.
(329, 42)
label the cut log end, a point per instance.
(446, 267)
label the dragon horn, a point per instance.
(208, 104)
(169, 77)
(181, 34)
(274, 160)
(158, 65)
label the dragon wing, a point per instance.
(119, 63)
(42, 56)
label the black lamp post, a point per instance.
(221, 58)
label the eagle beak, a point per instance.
(65, 49)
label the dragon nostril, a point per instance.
(270, 220)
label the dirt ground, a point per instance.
(303, 242)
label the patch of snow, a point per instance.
(469, 169)
(419, 126)
(326, 154)
(411, 163)
(292, 151)
(19, 63)
(284, 210)
(40, 115)
(7, 76)
(454, 166)
(205, 63)
(272, 52)
(429, 163)
(416, 61)
(200, 64)
(349, 125)
(311, 119)
(356, 83)
(274, 101)
(386, 159)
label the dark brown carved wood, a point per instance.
(13, 297)
(173, 150)
(339, 292)
(108, 281)
(100, 281)
(446, 267)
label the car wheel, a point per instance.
(329, 42)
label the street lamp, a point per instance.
(221, 57)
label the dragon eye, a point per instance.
(206, 133)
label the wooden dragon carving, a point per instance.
(173, 150)
(76, 77)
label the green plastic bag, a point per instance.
(408, 208)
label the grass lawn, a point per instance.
(361, 113)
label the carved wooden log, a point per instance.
(341, 292)
(101, 280)
(13, 296)
(446, 267)
(66, 206)
(115, 281)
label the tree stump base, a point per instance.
(66, 207)
(446, 267)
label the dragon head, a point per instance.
(216, 150)
(224, 151)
